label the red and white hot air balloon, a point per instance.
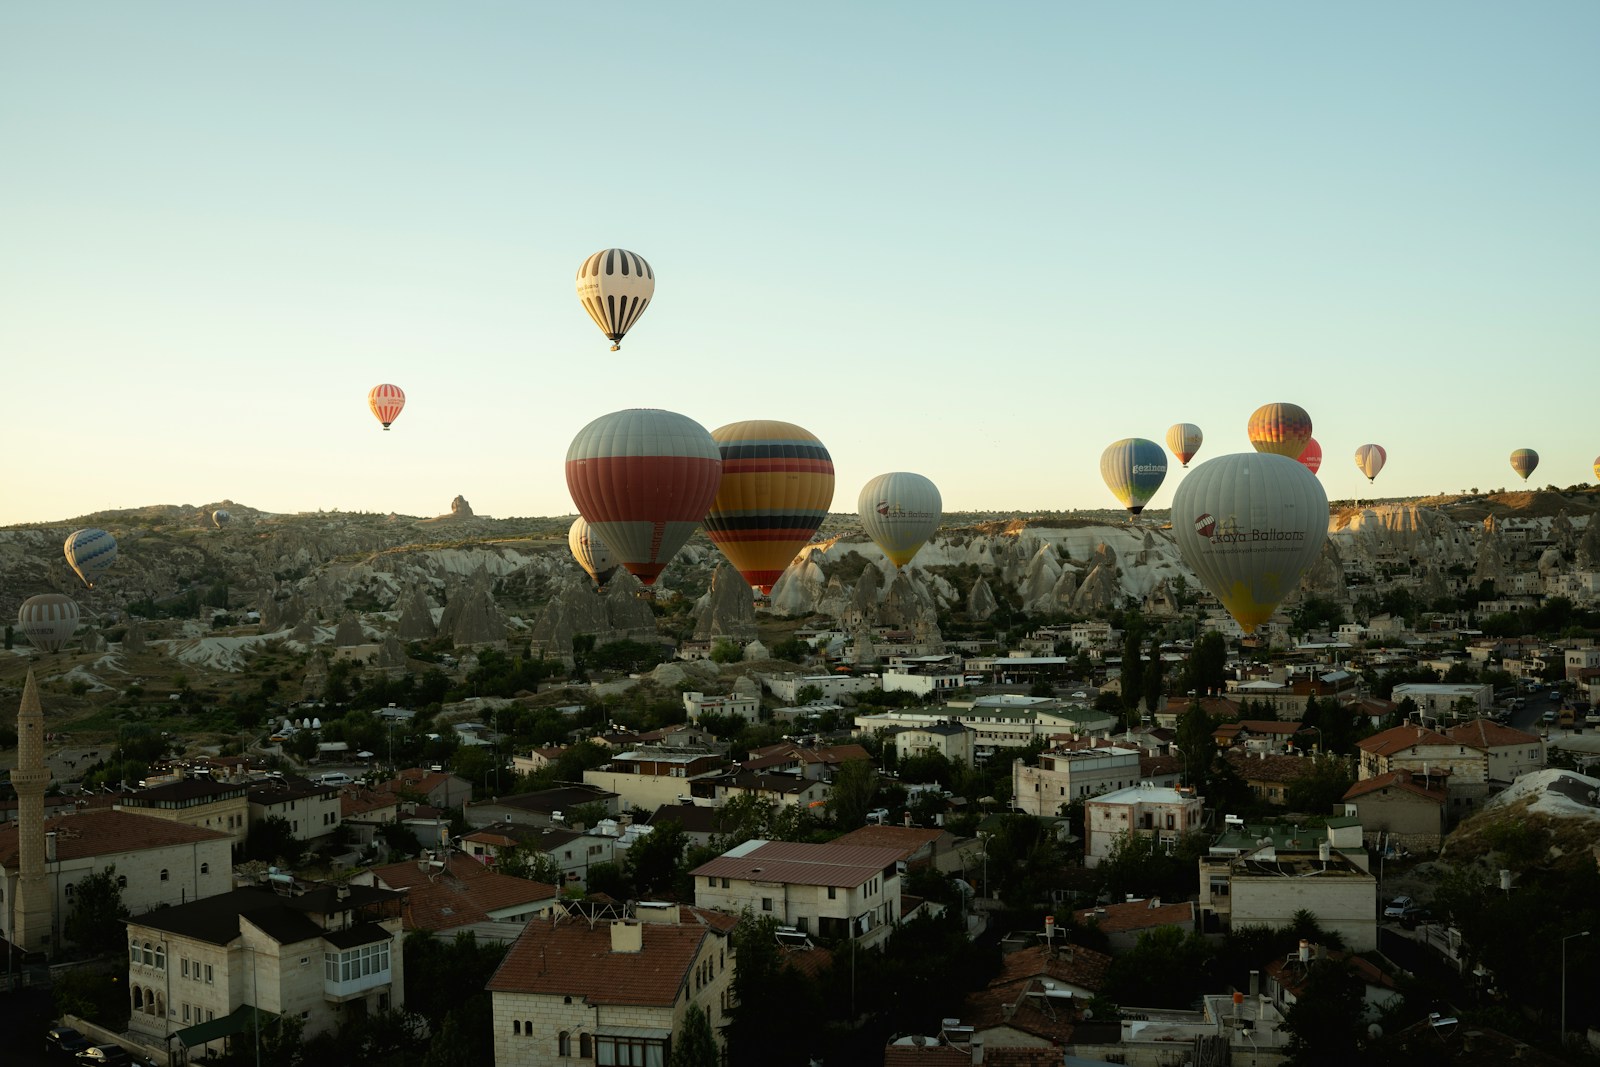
(1311, 456)
(386, 401)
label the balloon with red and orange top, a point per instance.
(386, 401)
(1280, 429)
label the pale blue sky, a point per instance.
(979, 242)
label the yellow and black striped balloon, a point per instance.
(777, 483)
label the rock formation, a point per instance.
(981, 602)
(727, 609)
(349, 633)
(416, 617)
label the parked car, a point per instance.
(1549, 717)
(1415, 916)
(105, 1056)
(64, 1041)
(1397, 907)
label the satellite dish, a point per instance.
(1374, 1032)
(1088, 1013)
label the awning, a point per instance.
(236, 1022)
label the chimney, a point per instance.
(1255, 983)
(627, 936)
(50, 847)
(977, 1049)
(1305, 951)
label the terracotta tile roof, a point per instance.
(1406, 782)
(1074, 964)
(907, 839)
(1487, 734)
(788, 751)
(1401, 738)
(931, 1056)
(1251, 766)
(568, 957)
(1159, 766)
(415, 779)
(465, 892)
(1292, 976)
(96, 832)
(355, 803)
(1138, 915)
(1008, 1004)
(802, 864)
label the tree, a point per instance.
(694, 1046)
(1207, 668)
(272, 840)
(1154, 680)
(95, 921)
(525, 861)
(1198, 746)
(854, 786)
(1322, 787)
(1166, 968)
(655, 861)
(1324, 1024)
(1132, 661)
(725, 651)
(808, 694)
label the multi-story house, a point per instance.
(951, 740)
(647, 778)
(612, 990)
(198, 971)
(158, 862)
(1072, 772)
(1268, 885)
(310, 808)
(195, 802)
(447, 890)
(833, 891)
(572, 851)
(1162, 812)
(1479, 757)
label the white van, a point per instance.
(336, 778)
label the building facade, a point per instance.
(836, 892)
(1164, 813)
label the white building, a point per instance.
(921, 681)
(1068, 774)
(1165, 813)
(834, 891)
(1443, 701)
(951, 740)
(745, 707)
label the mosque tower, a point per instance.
(31, 921)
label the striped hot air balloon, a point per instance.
(48, 620)
(1524, 461)
(1249, 525)
(1281, 429)
(1184, 438)
(591, 552)
(643, 478)
(1133, 469)
(615, 286)
(900, 511)
(777, 483)
(90, 552)
(386, 401)
(1311, 456)
(1370, 459)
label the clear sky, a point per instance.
(975, 241)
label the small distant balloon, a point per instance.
(615, 286)
(1133, 469)
(1280, 429)
(1524, 461)
(90, 552)
(221, 517)
(386, 401)
(1249, 525)
(48, 620)
(591, 552)
(1311, 457)
(900, 511)
(1184, 438)
(1370, 460)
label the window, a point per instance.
(208, 974)
(833, 893)
(205, 868)
(563, 1044)
(133, 952)
(584, 1050)
(766, 903)
(122, 881)
(164, 874)
(186, 1013)
(351, 964)
(527, 1027)
(725, 883)
(186, 966)
(629, 1052)
(516, 1027)
(149, 957)
(69, 890)
(161, 957)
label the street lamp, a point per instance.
(1564, 940)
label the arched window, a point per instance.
(584, 1052)
(563, 1044)
(122, 881)
(163, 874)
(149, 1001)
(138, 998)
(205, 868)
(69, 890)
(516, 1028)
(133, 952)
(161, 1004)
(149, 957)
(527, 1027)
(161, 957)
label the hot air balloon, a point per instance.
(1249, 525)
(591, 552)
(1311, 456)
(221, 517)
(900, 511)
(615, 286)
(1133, 469)
(643, 478)
(1597, 468)
(1184, 438)
(90, 552)
(49, 620)
(1371, 458)
(1524, 461)
(777, 483)
(1281, 429)
(386, 401)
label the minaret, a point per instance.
(33, 903)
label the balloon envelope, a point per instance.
(1184, 438)
(643, 478)
(1280, 429)
(900, 511)
(1311, 456)
(1133, 469)
(591, 553)
(777, 483)
(1597, 468)
(615, 286)
(1523, 461)
(221, 517)
(386, 401)
(49, 620)
(90, 552)
(1370, 459)
(1248, 525)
